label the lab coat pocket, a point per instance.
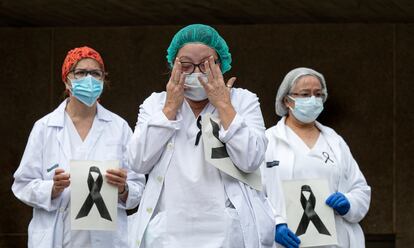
(234, 230)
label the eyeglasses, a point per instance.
(81, 73)
(189, 67)
(307, 94)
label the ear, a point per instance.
(286, 101)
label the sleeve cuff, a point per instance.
(133, 196)
(160, 120)
(349, 216)
(280, 220)
(46, 189)
(236, 124)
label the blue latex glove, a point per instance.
(286, 237)
(339, 202)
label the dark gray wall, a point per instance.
(367, 68)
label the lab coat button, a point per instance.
(62, 210)
(149, 210)
(170, 145)
(159, 178)
(138, 242)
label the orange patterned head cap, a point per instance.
(77, 54)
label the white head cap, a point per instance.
(289, 81)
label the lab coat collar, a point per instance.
(280, 132)
(57, 117)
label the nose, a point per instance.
(197, 68)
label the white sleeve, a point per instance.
(29, 185)
(245, 137)
(152, 132)
(135, 181)
(358, 192)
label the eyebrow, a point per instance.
(310, 90)
(87, 69)
(203, 59)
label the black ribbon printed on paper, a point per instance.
(309, 214)
(94, 196)
(218, 152)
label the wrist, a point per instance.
(55, 192)
(169, 112)
(126, 189)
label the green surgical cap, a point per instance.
(199, 33)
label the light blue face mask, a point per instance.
(87, 89)
(307, 109)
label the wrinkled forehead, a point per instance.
(307, 82)
(196, 52)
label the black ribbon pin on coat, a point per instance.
(199, 132)
(94, 196)
(326, 155)
(309, 213)
(218, 152)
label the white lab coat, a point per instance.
(48, 145)
(351, 181)
(153, 143)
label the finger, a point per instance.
(202, 82)
(181, 81)
(59, 171)
(115, 183)
(217, 70)
(337, 200)
(118, 172)
(212, 66)
(294, 237)
(114, 178)
(230, 83)
(331, 199)
(60, 177)
(65, 183)
(290, 241)
(208, 71)
(178, 73)
(62, 183)
(341, 203)
(174, 71)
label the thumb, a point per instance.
(230, 82)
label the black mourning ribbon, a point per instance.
(326, 155)
(199, 132)
(218, 152)
(309, 214)
(94, 196)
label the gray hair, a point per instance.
(289, 81)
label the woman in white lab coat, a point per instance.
(302, 148)
(79, 129)
(188, 202)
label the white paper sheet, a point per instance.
(79, 172)
(294, 210)
(225, 164)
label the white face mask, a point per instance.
(194, 90)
